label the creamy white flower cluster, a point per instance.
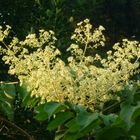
(37, 64)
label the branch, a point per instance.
(112, 106)
(17, 127)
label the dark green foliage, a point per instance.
(119, 17)
(7, 97)
(124, 125)
(68, 121)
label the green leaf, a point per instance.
(110, 133)
(24, 94)
(129, 113)
(7, 97)
(7, 109)
(59, 136)
(74, 107)
(70, 136)
(109, 119)
(7, 91)
(113, 131)
(59, 120)
(40, 108)
(135, 129)
(52, 107)
(85, 119)
(87, 122)
(126, 113)
(27, 100)
(41, 116)
(72, 126)
(45, 111)
(81, 125)
(136, 113)
(32, 101)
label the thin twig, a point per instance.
(17, 127)
(4, 44)
(8, 83)
(113, 105)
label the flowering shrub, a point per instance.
(84, 79)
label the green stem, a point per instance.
(86, 45)
(84, 52)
